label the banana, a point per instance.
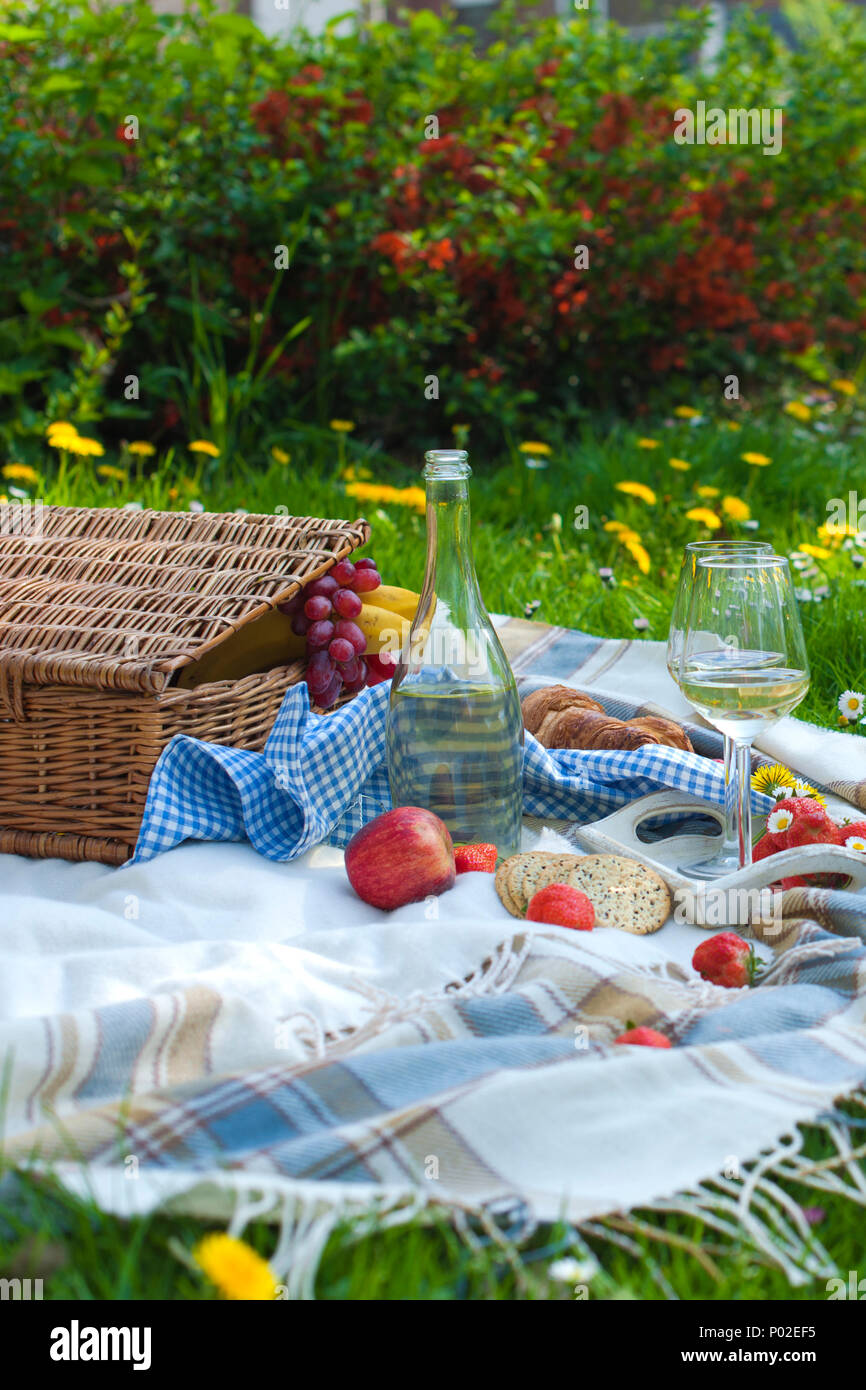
(258, 646)
(383, 630)
(404, 602)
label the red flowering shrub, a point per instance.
(533, 234)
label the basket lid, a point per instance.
(120, 599)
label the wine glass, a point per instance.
(743, 664)
(727, 860)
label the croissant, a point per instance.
(551, 699)
(560, 717)
(585, 728)
(668, 731)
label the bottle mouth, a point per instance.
(446, 463)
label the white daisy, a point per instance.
(778, 821)
(856, 842)
(851, 703)
(572, 1271)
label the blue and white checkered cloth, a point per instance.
(320, 779)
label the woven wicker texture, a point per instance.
(98, 609)
(120, 599)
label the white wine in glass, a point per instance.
(743, 663)
(727, 858)
(744, 696)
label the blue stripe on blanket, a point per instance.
(563, 655)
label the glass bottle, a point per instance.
(455, 727)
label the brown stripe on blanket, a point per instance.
(188, 1053)
(524, 641)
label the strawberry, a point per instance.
(805, 808)
(475, 859)
(769, 844)
(562, 906)
(726, 960)
(643, 1037)
(811, 825)
(855, 830)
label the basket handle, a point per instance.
(12, 686)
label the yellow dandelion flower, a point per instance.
(736, 509)
(798, 410)
(818, 552)
(342, 426)
(237, 1270)
(21, 473)
(707, 491)
(60, 430)
(773, 780)
(705, 517)
(142, 448)
(413, 497)
(173, 494)
(640, 490)
(105, 470)
(534, 446)
(647, 444)
(204, 446)
(280, 455)
(759, 460)
(833, 532)
(615, 526)
(639, 554)
(680, 465)
(842, 384)
(62, 439)
(80, 444)
(732, 425)
(368, 492)
(686, 412)
(806, 789)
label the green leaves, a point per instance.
(20, 33)
(59, 82)
(413, 254)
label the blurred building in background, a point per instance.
(641, 17)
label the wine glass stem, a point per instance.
(744, 801)
(730, 846)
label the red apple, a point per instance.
(400, 857)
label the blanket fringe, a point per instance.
(495, 975)
(757, 1206)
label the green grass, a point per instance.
(526, 547)
(527, 553)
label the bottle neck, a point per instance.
(450, 570)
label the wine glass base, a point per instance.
(719, 866)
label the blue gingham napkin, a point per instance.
(321, 778)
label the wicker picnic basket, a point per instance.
(100, 610)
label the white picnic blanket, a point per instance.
(131, 998)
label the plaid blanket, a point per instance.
(242, 1031)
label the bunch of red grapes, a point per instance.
(324, 612)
